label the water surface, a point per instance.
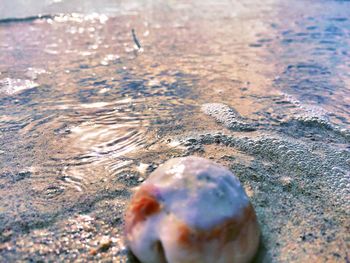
(85, 116)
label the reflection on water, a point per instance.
(84, 115)
(76, 98)
(12, 86)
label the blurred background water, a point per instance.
(85, 115)
(28, 8)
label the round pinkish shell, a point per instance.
(191, 210)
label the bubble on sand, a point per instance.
(323, 169)
(226, 115)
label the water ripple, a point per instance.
(12, 86)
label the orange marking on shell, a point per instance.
(226, 232)
(249, 215)
(184, 237)
(143, 205)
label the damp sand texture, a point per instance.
(86, 114)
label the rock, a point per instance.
(104, 244)
(191, 210)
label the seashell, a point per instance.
(191, 210)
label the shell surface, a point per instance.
(191, 210)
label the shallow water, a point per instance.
(85, 116)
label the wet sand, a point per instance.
(260, 87)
